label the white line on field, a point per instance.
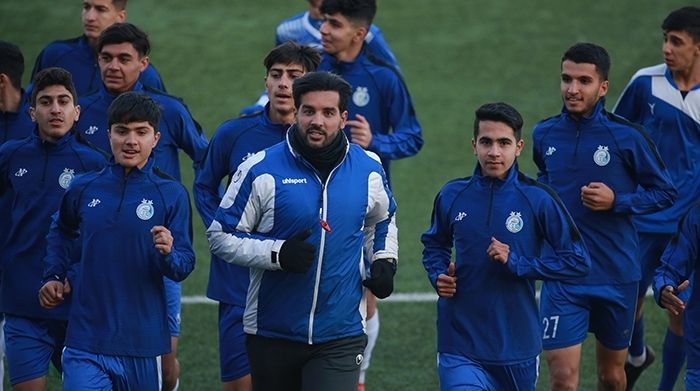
(411, 297)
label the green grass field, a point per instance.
(455, 55)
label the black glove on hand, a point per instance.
(381, 281)
(296, 255)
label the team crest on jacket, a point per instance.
(66, 177)
(601, 156)
(360, 97)
(514, 223)
(145, 209)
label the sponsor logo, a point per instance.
(461, 216)
(550, 151)
(21, 172)
(66, 177)
(651, 107)
(145, 209)
(92, 129)
(360, 97)
(601, 156)
(293, 181)
(514, 223)
(94, 203)
(358, 359)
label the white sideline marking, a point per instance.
(411, 297)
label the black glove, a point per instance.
(381, 281)
(296, 255)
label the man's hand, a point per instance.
(163, 239)
(296, 255)
(447, 283)
(498, 251)
(381, 281)
(360, 132)
(669, 298)
(51, 294)
(597, 196)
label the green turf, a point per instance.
(454, 54)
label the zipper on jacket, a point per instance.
(44, 149)
(578, 137)
(488, 220)
(121, 200)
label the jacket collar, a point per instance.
(511, 177)
(598, 110)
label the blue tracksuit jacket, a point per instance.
(276, 194)
(571, 153)
(653, 100)
(494, 317)
(304, 30)
(16, 125)
(234, 141)
(119, 300)
(178, 130)
(77, 57)
(380, 95)
(34, 174)
(679, 262)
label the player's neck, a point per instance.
(687, 78)
(350, 54)
(280, 117)
(10, 99)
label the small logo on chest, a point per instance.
(360, 97)
(21, 172)
(550, 151)
(145, 209)
(601, 156)
(94, 203)
(66, 177)
(514, 223)
(461, 216)
(92, 129)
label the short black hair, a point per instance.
(499, 112)
(590, 53)
(125, 32)
(361, 11)
(133, 106)
(322, 81)
(292, 53)
(119, 4)
(684, 19)
(12, 63)
(53, 77)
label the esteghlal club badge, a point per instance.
(360, 97)
(601, 156)
(514, 223)
(145, 209)
(66, 177)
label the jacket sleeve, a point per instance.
(628, 105)
(381, 233)
(190, 137)
(681, 256)
(207, 183)
(180, 262)
(150, 77)
(656, 190)
(564, 254)
(437, 241)
(537, 157)
(380, 48)
(61, 250)
(234, 234)
(405, 138)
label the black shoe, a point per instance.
(633, 372)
